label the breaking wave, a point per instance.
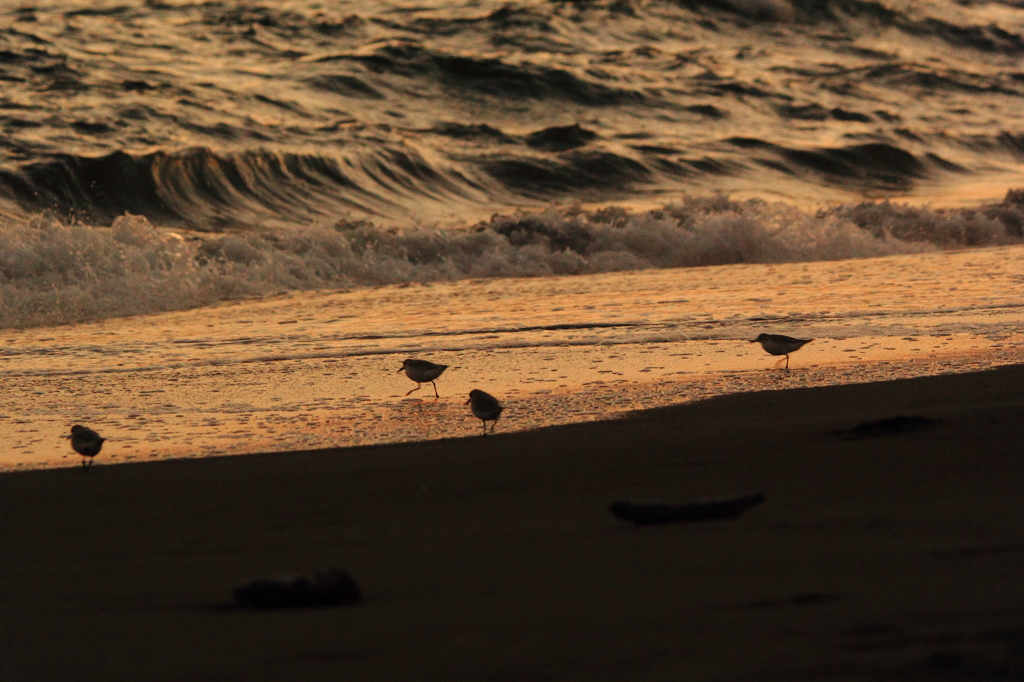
(201, 189)
(210, 191)
(55, 273)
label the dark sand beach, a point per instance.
(875, 557)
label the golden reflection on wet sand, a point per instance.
(312, 370)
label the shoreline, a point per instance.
(320, 369)
(489, 557)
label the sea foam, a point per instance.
(57, 273)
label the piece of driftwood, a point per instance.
(721, 508)
(893, 426)
(326, 587)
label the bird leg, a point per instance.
(484, 422)
(435, 389)
(787, 361)
(418, 387)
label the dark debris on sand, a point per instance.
(326, 587)
(893, 426)
(646, 513)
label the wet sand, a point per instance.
(320, 369)
(887, 557)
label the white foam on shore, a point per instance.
(51, 273)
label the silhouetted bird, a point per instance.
(485, 407)
(777, 344)
(421, 372)
(86, 442)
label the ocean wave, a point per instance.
(55, 273)
(484, 75)
(569, 172)
(875, 165)
(988, 37)
(158, 156)
(204, 190)
(219, 114)
(212, 191)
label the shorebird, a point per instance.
(485, 407)
(777, 344)
(86, 442)
(421, 372)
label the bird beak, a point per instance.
(400, 370)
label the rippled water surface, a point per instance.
(224, 114)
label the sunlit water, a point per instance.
(224, 114)
(320, 369)
(301, 145)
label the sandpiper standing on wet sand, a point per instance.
(485, 407)
(421, 372)
(777, 344)
(86, 442)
